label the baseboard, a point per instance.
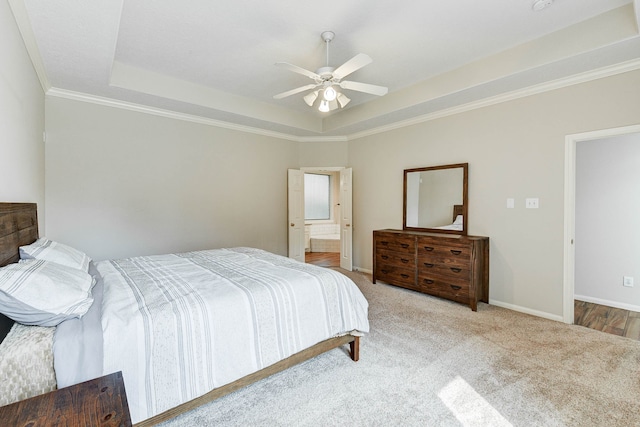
(362, 270)
(608, 303)
(543, 314)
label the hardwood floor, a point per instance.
(611, 320)
(323, 259)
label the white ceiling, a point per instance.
(214, 60)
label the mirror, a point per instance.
(435, 199)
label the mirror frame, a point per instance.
(465, 199)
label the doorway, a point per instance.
(320, 211)
(572, 143)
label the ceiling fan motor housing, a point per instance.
(326, 73)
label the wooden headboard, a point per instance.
(457, 210)
(18, 227)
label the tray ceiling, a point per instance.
(214, 60)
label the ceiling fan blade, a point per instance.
(364, 87)
(294, 91)
(299, 70)
(354, 64)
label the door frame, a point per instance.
(295, 215)
(329, 169)
(571, 142)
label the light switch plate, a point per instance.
(511, 203)
(627, 281)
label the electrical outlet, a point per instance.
(627, 281)
(531, 203)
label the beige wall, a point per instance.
(21, 120)
(324, 154)
(514, 149)
(122, 183)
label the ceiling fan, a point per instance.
(327, 79)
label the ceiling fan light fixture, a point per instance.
(310, 98)
(342, 100)
(330, 93)
(324, 106)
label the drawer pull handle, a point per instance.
(428, 248)
(384, 256)
(404, 245)
(456, 270)
(455, 288)
(404, 261)
(428, 281)
(456, 252)
(385, 271)
(406, 276)
(426, 264)
(382, 242)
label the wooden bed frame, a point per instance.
(19, 226)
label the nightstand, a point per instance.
(98, 402)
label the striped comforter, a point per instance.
(179, 325)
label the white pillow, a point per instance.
(44, 293)
(49, 250)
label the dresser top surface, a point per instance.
(428, 234)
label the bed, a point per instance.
(203, 343)
(457, 220)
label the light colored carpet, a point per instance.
(430, 362)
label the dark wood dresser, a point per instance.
(450, 266)
(99, 402)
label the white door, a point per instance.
(296, 214)
(346, 220)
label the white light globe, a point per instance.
(330, 93)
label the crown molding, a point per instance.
(149, 82)
(342, 138)
(587, 76)
(108, 102)
(603, 72)
(24, 26)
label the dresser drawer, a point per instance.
(399, 259)
(395, 242)
(448, 255)
(444, 241)
(443, 251)
(430, 267)
(451, 289)
(396, 275)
